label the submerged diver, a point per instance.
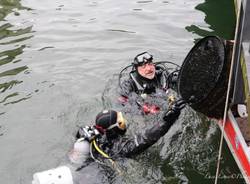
(145, 78)
(106, 141)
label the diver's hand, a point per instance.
(174, 112)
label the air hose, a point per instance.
(105, 155)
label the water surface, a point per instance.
(57, 59)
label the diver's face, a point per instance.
(120, 122)
(119, 128)
(147, 70)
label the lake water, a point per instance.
(58, 57)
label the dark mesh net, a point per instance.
(201, 68)
(203, 75)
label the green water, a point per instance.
(220, 16)
(57, 58)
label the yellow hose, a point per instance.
(106, 156)
(100, 151)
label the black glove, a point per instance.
(173, 113)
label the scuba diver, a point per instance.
(105, 142)
(111, 128)
(145, 78)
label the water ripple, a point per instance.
(56, 58)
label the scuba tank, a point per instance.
(80, 151)
(68, 174)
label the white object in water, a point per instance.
(242, 110)
(80, 151)
(144, 95)
(60, 175)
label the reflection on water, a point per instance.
(7, 7)
(9, 34)
(65, 52)
(9, 55)
(11, 41)
(219, 17)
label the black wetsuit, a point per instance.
(124, 146)
(138, 84)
